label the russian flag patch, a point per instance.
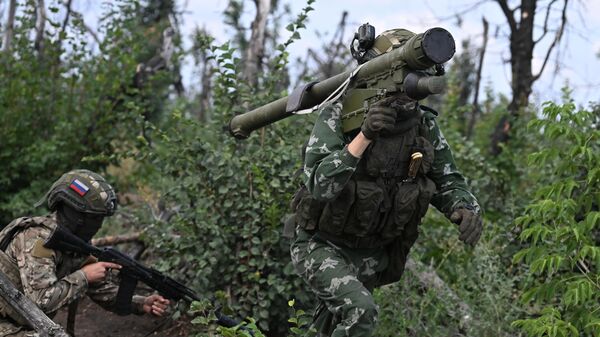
(79, 187)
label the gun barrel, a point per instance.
(421, 51)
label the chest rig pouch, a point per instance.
(380, 203)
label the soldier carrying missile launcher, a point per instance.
(374, 162)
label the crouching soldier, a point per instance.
(78, 201)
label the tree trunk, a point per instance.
(522, 44)
(10, 23)
(521, 55)
(67, 16)
(40, 26)
(205, 96)
(521, 51)
(476, 108)
(256, 46)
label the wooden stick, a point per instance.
(116, 239)
(25, 307)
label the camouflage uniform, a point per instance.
(51, 279)
(343, 276)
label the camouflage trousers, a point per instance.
(342, 278)
(9, 329)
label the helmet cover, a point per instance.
(386, 42)
(84, 191)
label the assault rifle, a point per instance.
(131, 273)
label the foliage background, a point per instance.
(213, 206)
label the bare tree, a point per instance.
(71, 12)
(233, 18)
(40, 26)
(256, 45)
(67, 17)
(464, 69)
(476, 109)
(202, 58)
(522, 45)
(333, 56)
(334, 51)
(10, 24)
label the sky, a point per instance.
(576, 64)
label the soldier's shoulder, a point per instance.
(31, 233)
(37, 226)
(331, 106)
(428, 112)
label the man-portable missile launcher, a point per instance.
(396, 61)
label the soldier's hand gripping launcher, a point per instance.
(408, 67)
(131, 273)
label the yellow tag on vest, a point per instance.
(88, 260)
(40, 251)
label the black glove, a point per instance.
(470, 224)
(378, 118)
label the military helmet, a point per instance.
(366, 47)
(388, 41)
(84, 191)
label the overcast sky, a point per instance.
(577, 60)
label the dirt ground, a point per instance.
(93, 321)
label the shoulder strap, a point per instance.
(428, 112)
(9, 232)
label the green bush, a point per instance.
(66, 106)
(560, 227)
(230, 199)
(230, 196)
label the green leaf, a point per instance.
(200, 320)
(296, 331)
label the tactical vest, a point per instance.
(380, 203)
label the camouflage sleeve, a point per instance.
(328, 165)
(37, 268)
(452, 189)
(105, 294)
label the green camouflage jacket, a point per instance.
(328, 164)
